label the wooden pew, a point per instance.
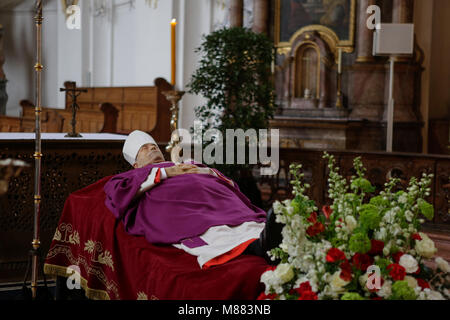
(139, 108)
(104, 109)
(9, 124)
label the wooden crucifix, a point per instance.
(73, 92)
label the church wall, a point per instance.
(19, 49)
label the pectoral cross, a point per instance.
(74, 93)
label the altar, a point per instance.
(68, 164)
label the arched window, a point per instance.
(307, 71)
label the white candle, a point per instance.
(340, 61)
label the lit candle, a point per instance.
(340, 61)
(173, 24)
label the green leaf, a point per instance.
(426, 209)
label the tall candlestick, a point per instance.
(173, 24)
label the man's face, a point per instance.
(148, 154)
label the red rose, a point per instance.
(397, 256)
(305, 286)
(423, 284)
(397, 271)
(264, 296)
(308, 295)
(362, 261)
(346, 271)
(327, 211)
(315, 229)
(416, 236)
(376, 298)
(418, 271)
(376, 247)
(334, 255)
(312, 218)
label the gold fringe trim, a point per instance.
(92, 294)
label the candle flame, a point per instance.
(174, 21)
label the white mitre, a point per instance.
(133, 144)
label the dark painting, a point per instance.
(333, 14)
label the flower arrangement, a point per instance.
(360, 247)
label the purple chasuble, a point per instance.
(179, 208)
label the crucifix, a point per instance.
(74, 93)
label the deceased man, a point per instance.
(190, 206)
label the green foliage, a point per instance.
(359, 243)
(352, 296)
(369, 217)
(426, 209)
(235, 78)
(402, 291)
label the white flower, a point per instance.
(386, 289)
(409, 263)
(403, 199)
(284, 272)
(425, 247)
(337, 284)
(412, 282)
(442, 264)
(435, 295)
(351, 223)
(277, 207)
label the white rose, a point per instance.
(425, 247)
(409, 263)
(284, 272)
(351, 223)
(435, 295)
(442, 264)
(386, 290)
(337, 284)
(412, 282)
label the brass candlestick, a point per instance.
(173, 96)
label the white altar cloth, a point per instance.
(60, 136)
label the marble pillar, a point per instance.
(236, 13)
(3, 81)
(402, 11)
(260, 16)
(364, 37)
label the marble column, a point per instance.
(260, 16)
(402, 11)
(3, 94)
(236, 13)
(364, 37)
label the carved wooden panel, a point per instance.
(380, 166)
(442, 187)
(67, 166)
(9, 124)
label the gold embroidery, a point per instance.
(95, 248)
(74, 238)
(81, 261)
(142, 296)
(57, 236)
(70, 236)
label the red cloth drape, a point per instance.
(115, 265)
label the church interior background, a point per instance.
(331, 94)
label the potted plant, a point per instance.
(234, 76)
